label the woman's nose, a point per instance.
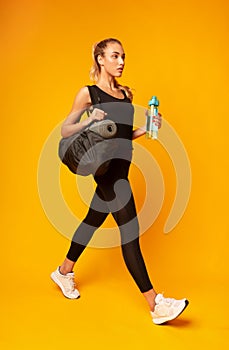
(121, 60)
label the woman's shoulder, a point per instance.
(82, 98)
(83, 91)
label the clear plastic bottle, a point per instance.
(151, 127)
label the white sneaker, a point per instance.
(167, 309)
(66, 283)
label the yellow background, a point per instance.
(177, 50)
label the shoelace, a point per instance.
(70, 279)
(168, 301)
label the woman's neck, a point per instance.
(107, 83)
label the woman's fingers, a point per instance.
(158, 119)
(98, 114)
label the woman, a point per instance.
(109, 61)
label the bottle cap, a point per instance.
(154, 101)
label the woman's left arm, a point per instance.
(142, 130)
(138, 132)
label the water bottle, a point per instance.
(151, 127)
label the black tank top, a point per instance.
(121, 111)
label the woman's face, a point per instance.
(113, 60)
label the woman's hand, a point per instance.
(141, 131)
(97, 115)
(158, 120)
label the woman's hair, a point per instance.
(98, 50)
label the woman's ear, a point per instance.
(100, 60)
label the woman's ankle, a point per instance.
(66, 267)
(150, 298)
(63, 271)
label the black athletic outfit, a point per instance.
(108, 198)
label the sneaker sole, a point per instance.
(162, 320)
(53, 277)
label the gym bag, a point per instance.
(90, 151)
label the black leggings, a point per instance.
(113, 194)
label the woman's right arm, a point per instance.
(72, 123)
